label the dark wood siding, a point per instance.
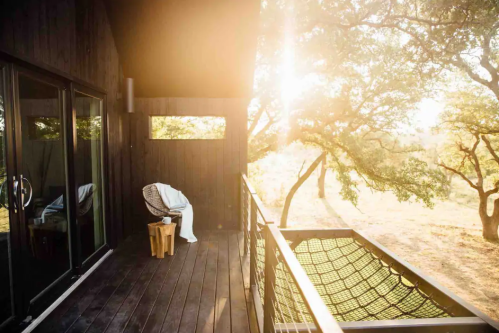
(206, 171)
(72, 38)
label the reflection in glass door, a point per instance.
(88, 173)
(43, 202)
(6, 296)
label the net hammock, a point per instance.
(354, 283)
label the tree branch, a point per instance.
(256, 120)
(429, 22)
(492, 191)
(490, 148)
(485, 60)
(461, 64)
(296, 186)
(471, 153)
(459, 173)
(271, 122)
(301, 169)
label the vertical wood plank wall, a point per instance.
(75, 38)
(206, 171)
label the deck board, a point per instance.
(112, 306)
(138, 319)
(199, 289)
(239, 313)
(191, 308)
(206, 316)
(130, 303)
(72, 307)
(158, 312)
(98, 303)
(176, 308)
(222, 301)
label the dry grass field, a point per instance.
(445, 242)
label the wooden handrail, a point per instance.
(247, 183)
(323, 319)
(318, 310)
(259, 204)
(262, 209)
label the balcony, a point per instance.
(262, 279)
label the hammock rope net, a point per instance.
(354, 283)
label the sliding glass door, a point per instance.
(7, 209)
(43, 200)
(88, 120)
(52, 187)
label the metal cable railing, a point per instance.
(285, 299)
(246, 194)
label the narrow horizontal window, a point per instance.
(186, 128)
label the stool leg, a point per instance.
(153, 245)
(172, 241)
(167, 244)
(160, 238)
(152, 228)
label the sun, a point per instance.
(290, 86)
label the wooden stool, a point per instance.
(162, 238)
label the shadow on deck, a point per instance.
(202, 288)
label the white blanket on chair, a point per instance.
(57, 205)
(177, 202)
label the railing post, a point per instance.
(252, 233)
(270, 267)
(244, 214)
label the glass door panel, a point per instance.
(52, 204)
(43, 191)
(6, 296)
(88, 173)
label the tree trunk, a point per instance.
(490, 224)
(490, 230)
(296, 186)
(322, 179)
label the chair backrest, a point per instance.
(153, 200)
(85, 205)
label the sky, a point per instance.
(427, 116)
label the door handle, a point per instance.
(14, 185)
(24, 191)
(4, 203)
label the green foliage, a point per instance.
(374, 61)
(49, 128)
(471, 121)
(471, 110)
(185, 128)
(382, 168)
(369, 89)
(88, 128)
(44, 128)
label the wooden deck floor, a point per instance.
(199, 289)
